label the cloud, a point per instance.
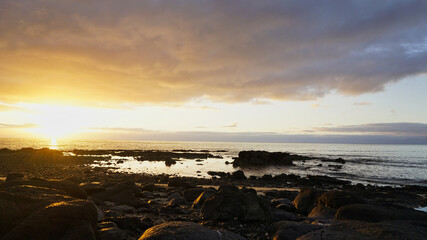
(110, 52)
(233, 125)
(401, 128)
(209, 136)
(361, 104)
(26, 125)
(5, 108)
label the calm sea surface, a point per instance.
(365, 163)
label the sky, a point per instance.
(259, 71)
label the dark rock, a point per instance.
(337, 199)
(263, 158)
(282, 194)
(174, 195)
(111, 233)
(374, 213)
(238, 175)
(280, 215)
(198, 203)
(150, 187)
(179, 182)
(306, 200)
(354, 230)
(70, 188)
(187, 231)
(122, 193)
(228, 204)
(325, 180)
(14, 176)
(64, 220)
(287, 230)
(321, 211)
(337, 160)
(170, 162)
(178, 201)
(91, 188)
(135, 224)
(192, 194)
(228, 187)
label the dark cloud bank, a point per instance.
(378, 133)
(168, 51)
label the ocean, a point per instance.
(365, 163)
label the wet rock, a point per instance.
(68, 187)
(354, 230)
(287, 230)
(14, 176)
(123, 209)
(228, 204)
(174, 195)
(111, 233)
(263, 158)
(170, 162)
(180, 183)
(323, 212)
(192, 194)
(150, 187)
(280, 215)
(284, 204)
(337, 199)
(64, 220)
(122, 193)
(374, 213)
(198, 203)
(325, 180)
(186, 230)
(306, 200)
(238, 175)
(178, 201)
(135, 224)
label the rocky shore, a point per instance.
(45, 194)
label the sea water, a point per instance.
(365, 163)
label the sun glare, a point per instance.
(58, 122)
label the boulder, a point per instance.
(323, 212)
(198, 203)
(306, 199)
(134, 224)
(111, 233)
(263, 158)
(354, 230)
(287, 230)
(14, 176)
(193, 193)
(229, 204)
(337, 199)
(63, 220)
(121, 193)
(186, 230)
(238, 175)
(180, 183)
(375, 213)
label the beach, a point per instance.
(102, 203)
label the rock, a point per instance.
(64, 220)
(178, 201)
(263, 158)
(10, 215)
(122, 193)
(107, 224)
(374, 213)
(111, 234)
(286, 230)
(170, 162)
(188, 231)
(282, 194)
(325, 180)
(229, 187)
(14, 176)
(306, 200)
(354, 230)
(179, 182)
(321, 211)
(174, 195)
(198, 203)
(280, 215)
(91, 188)
(238, 175)
(228, 204)
(284, 204)
(135, 224)
(68, 187)
(193, 193)
(123, 209)
(337, 199)
(150, 187)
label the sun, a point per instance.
(58, 122)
